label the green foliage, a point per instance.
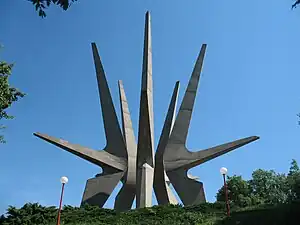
(204, 214)
(238, 192)
(8, 94)
(296, 4)
(35, 214)
(282, 214)
(88, 214)
(294, 167)
(265, 187)
(29, 214)
(293, 180)
(268, 186)
(41, 5)
(169, 214)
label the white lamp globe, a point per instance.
(223, 171)
(64, 180)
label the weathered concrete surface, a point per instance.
(100, 158)
(146, 182)
(127, 193)
(177, 159)
(113, 158)
(98, 189)
(162, 191)
(183, 119)
(182, 158)
(115, 142)
(189, 190)
(145, 147)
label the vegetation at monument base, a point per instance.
(268, 198)
(204, 214)
(8, 94)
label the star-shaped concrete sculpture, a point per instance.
(135, 164)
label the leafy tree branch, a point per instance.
(41, 5)
(296, 4)
(8, 94)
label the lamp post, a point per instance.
(63, 181)
(223, 171)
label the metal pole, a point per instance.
(226, 195)
(60, 204)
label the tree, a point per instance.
(8, 94)
(239, 192)
(30, 213)
(294, 168)
(265, 187)
(41, 5)
(295, 4)
(293, 179)
(270, 187)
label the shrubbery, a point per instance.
(204, 214)
(35, 214)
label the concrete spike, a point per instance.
(125, 198)
(145, 149)
(161, 188)
(128, 132)
(100, 158)
(146, 133)
(98, 189)
(127, 193)
(182, 122)
(179, 132)
(190, 191)
(177, 159)
(188, 160)
(115, 143)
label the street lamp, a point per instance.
(63, 181)
(223, 171)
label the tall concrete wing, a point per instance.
(162, 190)
(179, 135)
(115, 142)
(104, 184)
(145, 146)
(188, 160)
(113, 159)
(97, 189)
(177, 158)
(99, 158)
(127, 193)
(182, 122)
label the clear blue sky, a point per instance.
(250, 85)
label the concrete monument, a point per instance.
(136, 165)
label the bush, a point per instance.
(203, 214)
